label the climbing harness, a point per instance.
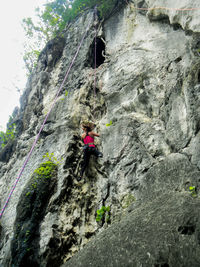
(42, 127)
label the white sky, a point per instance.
(12, 70)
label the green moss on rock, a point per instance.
(31, 210)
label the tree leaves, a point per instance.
(52, 21)
(10, 133)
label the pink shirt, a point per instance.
(88, 139)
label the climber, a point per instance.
(89, 147)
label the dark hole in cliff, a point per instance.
(178, 59)
(76, 222)
(186, 230)
(176, 26)
(199, 76)
(142, 4)
(88, 234)
(100, 52)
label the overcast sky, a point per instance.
(12, 70)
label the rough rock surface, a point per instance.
(136, 240)
(146, 108)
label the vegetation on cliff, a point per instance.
(31, 211)
(53, 19)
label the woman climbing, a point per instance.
(89, 147)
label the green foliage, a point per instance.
(51, 158)
(66, 94)
(27, 232)
(30, 59)
(103, 214)
(109, 124)
(104, 7)
(193, 191)
(28, 193)
(52, 20)
(10, 133)
(43, 172)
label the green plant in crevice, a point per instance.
(109, 124)
(28, 193)
(7, 136)
(192, 190)
(27, 232)
(51, 157)
(32, 208)
(103, 214)
(43, 172)
(66, 94)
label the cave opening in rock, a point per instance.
(100, 52)
(198, 77)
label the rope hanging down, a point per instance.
(95, 54)
(38, 135)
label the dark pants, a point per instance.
(86, 157)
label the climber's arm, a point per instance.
(82, 137)
(95, 134)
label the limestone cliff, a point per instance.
(146, 107)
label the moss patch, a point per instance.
(30, 212)
(127, 200)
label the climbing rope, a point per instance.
(95, 54)
(42, 127)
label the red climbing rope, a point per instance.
(38, 135)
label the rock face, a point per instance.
(146, 108)
(136, 240)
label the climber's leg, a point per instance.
(96, 152)
(86, 157)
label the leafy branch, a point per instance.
(9, 135)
